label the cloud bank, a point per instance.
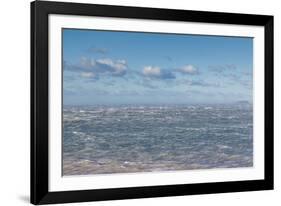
(91, 68)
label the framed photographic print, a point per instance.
(131, 102)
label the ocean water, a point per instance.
(123, 139)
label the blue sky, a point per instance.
(109, 67)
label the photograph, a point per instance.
(137, 102)
(131, 102)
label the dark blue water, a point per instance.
(104, 139)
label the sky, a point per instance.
(110, 67)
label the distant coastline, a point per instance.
(242, 102)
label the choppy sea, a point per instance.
(123, 139)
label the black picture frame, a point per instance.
(39, 102)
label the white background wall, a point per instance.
(14, 102)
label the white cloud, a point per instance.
(151, 71)
(156, 72)
(88, 67)
(118, 67)
(188, 69)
